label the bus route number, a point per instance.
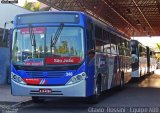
(68, 74)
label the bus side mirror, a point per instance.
(5, 34)
(11, 34)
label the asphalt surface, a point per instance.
(141, 96)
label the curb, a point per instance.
(6, 108)
(7, 103)
(22, 104)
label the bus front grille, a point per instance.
(48, 74)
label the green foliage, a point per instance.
(158, 55)
(31, 6)
(158, 45)
(27, 5)
(35, 6)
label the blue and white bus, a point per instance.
(67, 54)
(143, 59)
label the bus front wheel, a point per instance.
(96, 97)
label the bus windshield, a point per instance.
(39, 46)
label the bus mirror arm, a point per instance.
(4, 38)
(4, 32)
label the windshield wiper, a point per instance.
(32, 38)
(32, 35)
(54, 38)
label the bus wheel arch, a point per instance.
(98, 85)
(95, 98)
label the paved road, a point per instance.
(142, 96)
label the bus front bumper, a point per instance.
(74, 90)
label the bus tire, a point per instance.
(122, 82)
(96, 97)
(37, 100)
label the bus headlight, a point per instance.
(17, 78)
(77, 78)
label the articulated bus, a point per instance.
(67, 54)
(143, 59)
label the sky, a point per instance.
(21, 2)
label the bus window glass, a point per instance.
(142, 51)
(28, 49)
(99, 46)
(90, 40)
(113, 44)
(107, 48)
(98, 32)
(69, 45)
(43, 47)
(99, 39)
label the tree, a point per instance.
(32, 6)
(45, 8)
(35, 6)
(158, 47)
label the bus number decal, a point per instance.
(69, 74)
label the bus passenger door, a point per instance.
(113, 67)
(90, 58)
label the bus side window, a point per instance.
(142, 51)
(152, 54)
(127, 49)
(107, 48)
(90, 38)
(145, 52)
(99, 46)
(121, 46)
(113, 44)
(99, 39)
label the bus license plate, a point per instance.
(45, 91)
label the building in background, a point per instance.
(7, 13)
(35, 6)
(44, 7)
